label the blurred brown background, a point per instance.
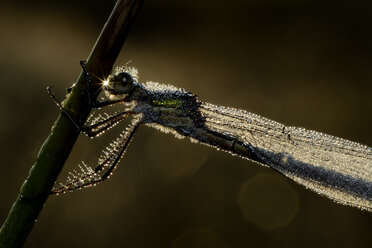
(302, 63)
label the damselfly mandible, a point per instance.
(331, 166)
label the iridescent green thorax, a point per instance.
(165, 97)
(170, 106)
(168, 103)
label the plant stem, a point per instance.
(55, 150)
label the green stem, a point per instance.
(55, 150)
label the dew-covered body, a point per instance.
(166, 106)
(330, 166)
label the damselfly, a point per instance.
(331, 166)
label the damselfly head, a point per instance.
(119, 84)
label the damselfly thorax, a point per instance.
(331, 166)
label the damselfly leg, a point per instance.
(97, 128)
(107, 163)
(100, 127)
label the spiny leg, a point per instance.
(109, 161)
(97, 128)
(95, 105)
(59, 105)
(100, 127)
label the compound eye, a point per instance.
(122, 83)
(125, 78)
